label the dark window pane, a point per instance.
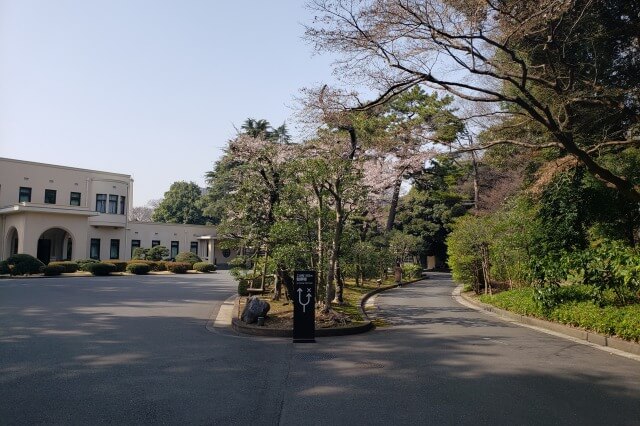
(50, 196)
(194, 247)
(122, 204)
(74, 199)
(114, 253)
(155, 243)
(134, 245)
(113, 204)
(94, 252)
(101, 203)
(174, 248)
(25, 195)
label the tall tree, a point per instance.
(569, 68)
(181, 204)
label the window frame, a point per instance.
(134, 245)
(193, 248)
(176, 245)
(155, 243)
(122, 204)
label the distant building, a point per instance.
(65, 213)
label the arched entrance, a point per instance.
(12, 242)
(55, 244)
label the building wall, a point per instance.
(83, 223)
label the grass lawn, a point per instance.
(620, 321)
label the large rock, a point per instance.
(254, 308)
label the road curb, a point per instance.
(598, 339)
(367, 325)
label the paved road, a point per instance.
(136, 350)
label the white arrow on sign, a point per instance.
(304, 305)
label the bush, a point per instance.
(120, 265)
(4, 267)
(24, 264)
(101, 268)
(139, 253)
(157, 253)
(52, 270)
(178, 267)
(243, 285)
(67, 266)
(83, 264)
(411, 271)
(138, 268)
(204, 267)
(188, 257)
(153, 265)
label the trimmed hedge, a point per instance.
(188, 257)
(24, 264)
(155, 266)
(138, 268)
(178, 267)
(83, 264)
(101, 268)
(4, 267)
(52, 270)
(67, 266)
(204, 267)
(243, 285)
(120, 265)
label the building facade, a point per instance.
(63, 213)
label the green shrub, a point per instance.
(4, 267)
(138, 268)
(67, 266)
(139, 253)
(24, 264)
(152, 264)
(83, 264)
(411, 271)
(204, 267)
(178, 267)
(120, 265)
(101, 268)
(188, 257)
(243, 285)
(52, 270)
(157, 253)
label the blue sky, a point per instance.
(146, 87)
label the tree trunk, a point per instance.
(476, 178)
(394, 203)
(334, 268)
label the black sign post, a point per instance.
(304, 307)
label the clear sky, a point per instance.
(149, 88)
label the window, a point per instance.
(101, 203)
(122, 204)
(226, 252)
(174, 249)
(155, 243)
(94, 251)
(74, 199)
(134, 245)
(113, 204)
(49, 196)
(194, 247)
(114, 252)
(25, 195)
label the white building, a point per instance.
(65, 213)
